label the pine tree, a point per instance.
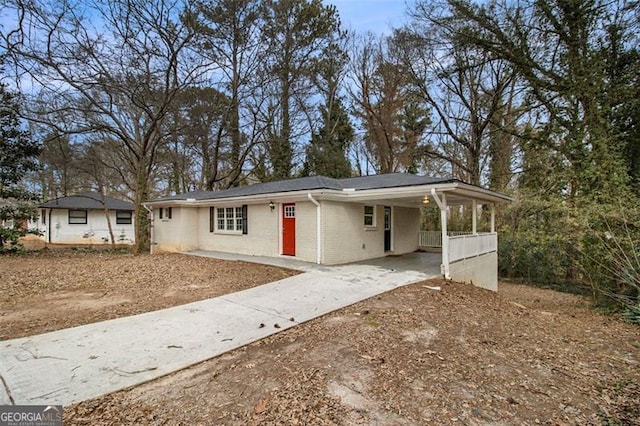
(327, 151)
(18, 156)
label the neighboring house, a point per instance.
(82, 219)
(329, 221)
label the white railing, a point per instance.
(464, 246)
(434, 238)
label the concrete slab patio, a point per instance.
(76, 364)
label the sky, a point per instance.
(377, 16)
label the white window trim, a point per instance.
(235, 219)
(373, 216)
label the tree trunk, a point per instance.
(106, 214)
(141, 215)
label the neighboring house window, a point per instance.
(43, 214)
(123, 218)
(77, 217)
(165, 212)
(230, 219)
(369, 216)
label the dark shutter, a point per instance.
(160, 213)
(245, 221)
(212, 219)
(168, 212)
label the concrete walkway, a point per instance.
(76, 364)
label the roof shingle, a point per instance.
(87, 201)
(390, 180)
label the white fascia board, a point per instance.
(393, 193)
(482, 194)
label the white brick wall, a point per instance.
(261, 240)
(306, 231)
(405, 229)
(180, 233)
(345, 238)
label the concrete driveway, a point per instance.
(76, 364)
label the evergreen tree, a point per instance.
(18, 156)
(327, 151)
(296, 33)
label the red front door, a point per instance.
(289, 229)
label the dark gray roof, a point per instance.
(391, 180)
(87, 201)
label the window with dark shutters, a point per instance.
(230, 220)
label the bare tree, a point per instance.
(113, 68)
(392, 115)
(471, 95)
(229, 31)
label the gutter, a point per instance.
(318, 229)
(50, 210)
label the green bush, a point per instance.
(590, 248)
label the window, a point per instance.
(289, 211)
(77, 217)
(369, 216)
(123, 218)
(164, 212)
(229, 219)
(43, 215)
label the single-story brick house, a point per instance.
(82, 219)
(329, 221)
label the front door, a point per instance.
(387, 228)
(289, 229)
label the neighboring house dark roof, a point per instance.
(390, 180)
(87, 201)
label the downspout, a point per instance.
(318, 229)
(152, 242)
(442, 204)
(50, 210)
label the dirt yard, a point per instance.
(53, 289)
(460, 355)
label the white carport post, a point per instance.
(442, 204)
(474, 217)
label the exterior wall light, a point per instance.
(272, 206)
(425, 200)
